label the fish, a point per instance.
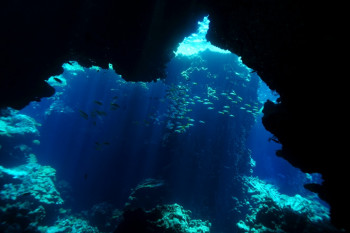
(221, 112)
(202, 122)
(114, 106)
(101, 113)
(210, 108)
(223, 93)
(242, 108)
(98, 102)
(100, 145)
(84, 114)
(170, 125)
(26, 194)
(57, 80)
(231, 115)
(226, 106)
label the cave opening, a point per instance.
(195, 139)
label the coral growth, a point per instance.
(105, 216)
(18, 124)
(28, 196)
(177, 218)
(271, 211)
(147, 194)
(30, 202)
(31, 179)
(163, 218)
(69, 224)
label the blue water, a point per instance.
(108, 154)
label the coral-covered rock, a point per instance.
(147, 194)
(271, 211)
(105, 216)
(28, 196)
(163, 218)
(18, 124)
(177, 218)
(21, 216)
(69, 224)
(18, 133)
(30, 202)
(31, 179)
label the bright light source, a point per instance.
(197, 42)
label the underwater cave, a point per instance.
(123, 132)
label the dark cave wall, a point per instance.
(33, 46)
(297, 47)
(137, 37)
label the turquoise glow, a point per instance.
(197, 42)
